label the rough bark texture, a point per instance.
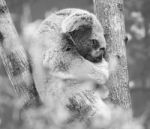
(110, 14)
(14, 58)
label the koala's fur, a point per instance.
(69, 43)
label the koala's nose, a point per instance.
(97, 55)
(100, 52)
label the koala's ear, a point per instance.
(76, 21)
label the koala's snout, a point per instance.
(92, 51)
(98, 53)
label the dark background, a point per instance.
(138, 30)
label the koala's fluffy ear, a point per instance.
(77, 20)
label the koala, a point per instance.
(69, 41)
(67, 50)
(67, 57)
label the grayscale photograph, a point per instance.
(74, 64)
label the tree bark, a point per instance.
(110, 14)
(14, 58)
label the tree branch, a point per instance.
(14, 58)
(110, 14)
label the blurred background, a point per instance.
(137, 19)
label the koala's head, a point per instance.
(80, 47)
(86, 32)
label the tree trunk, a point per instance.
(14, 58)
(110, 14)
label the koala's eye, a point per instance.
(68, 48)
(68, 45)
